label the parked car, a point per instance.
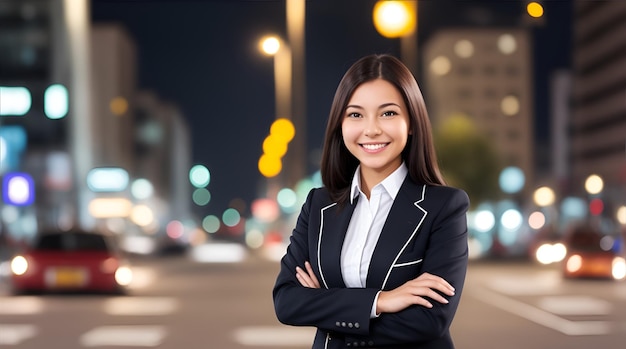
(71, 261)
(592, 254)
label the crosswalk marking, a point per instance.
(575, 305)
(542, 317)
(134, 336)
(23, 305)
(141, 306)
(274, 336)
(13, 334)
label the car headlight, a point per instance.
(619, 268)
(19, 265)
(574, 263)
(123, 276)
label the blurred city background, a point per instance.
(191, 131)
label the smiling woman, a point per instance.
(364, 265)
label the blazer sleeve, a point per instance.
(345, 310)
(446, 256)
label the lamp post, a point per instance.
(277, 48)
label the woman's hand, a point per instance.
(414, 292)
(307, 277)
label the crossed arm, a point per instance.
(412, 292)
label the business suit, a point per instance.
(425, 231)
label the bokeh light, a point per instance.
(621, 215)
(464, 48)
(231, 217)
(211, 224)
(270, 45)
(269, 165)
(537, 220)
(56, 101)
(440, 65)
(510, 105)
(175, 229)
(142, 215)
(507, 44)
(594, 184)
(141, 189)
(287, 200)
(512, 180)
(544, 196)
(283, 129)
(534, 9)
(199, 176)
(201, 196)
(394, 19)
(118, 106)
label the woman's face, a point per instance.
(375, 127)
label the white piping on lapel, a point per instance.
(319, 243)
(416, 203)
(408, 263)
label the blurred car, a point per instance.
(70, 261)
(591, 254)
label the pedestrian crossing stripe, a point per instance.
(131, 336)
(14, 334)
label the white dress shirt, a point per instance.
(366, 225)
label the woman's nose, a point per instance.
(372, 129)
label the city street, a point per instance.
(178, 303)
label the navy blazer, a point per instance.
(425, 231)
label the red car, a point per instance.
(70, 261)
(591, 254)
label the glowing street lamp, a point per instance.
(277, 48)
(398, 19)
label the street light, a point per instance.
(277, 48)
(398, 19)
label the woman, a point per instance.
(378, 256)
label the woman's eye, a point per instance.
(354, 115)
(390, 113)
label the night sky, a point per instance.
(202, 55)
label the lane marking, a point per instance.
(15, 334)
(539, 284)
(141, 306)
(544, 318)
(273, 336)
(137, 336)
(22, 305)
(575, 305)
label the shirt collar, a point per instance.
(392, 183)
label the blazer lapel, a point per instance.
(401, 227)
(332, 233)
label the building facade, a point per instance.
(598, 122)
(485, 75)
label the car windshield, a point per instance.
(71, 242)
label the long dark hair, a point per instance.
(338, 164)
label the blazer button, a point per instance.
(338, 324)
(348, 344)
(356, 344)
(371, 343)
(357, 325)
(343, 324)
(362, 344)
